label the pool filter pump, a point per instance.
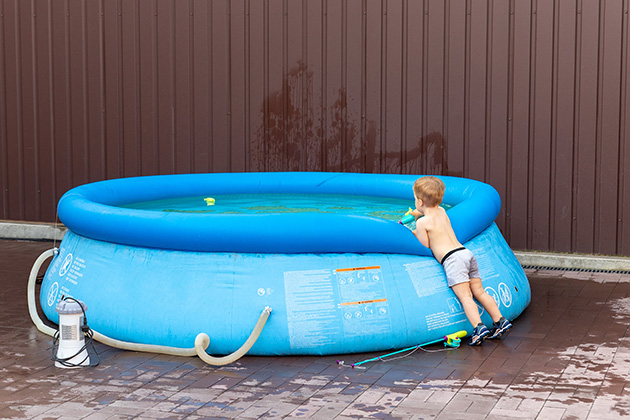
(69, 342)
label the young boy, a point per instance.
(435, 232)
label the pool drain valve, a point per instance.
(69, 343)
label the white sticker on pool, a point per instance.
(52, 294)
(318, 299)
(67, 262)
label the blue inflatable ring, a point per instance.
(94, 211)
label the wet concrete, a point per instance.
(568, 357)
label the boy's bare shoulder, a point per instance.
(423, 220)
(427, 223)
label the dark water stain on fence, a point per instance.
(300, 132)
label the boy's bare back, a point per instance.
(434, 231)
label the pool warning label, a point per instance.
(317, 300)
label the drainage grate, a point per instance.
(584, 270)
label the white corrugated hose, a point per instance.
(202, 341)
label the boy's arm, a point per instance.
(422, 234)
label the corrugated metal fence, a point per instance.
(529, 96)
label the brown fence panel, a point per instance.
(563, 124)
(530, 96)
(623, 202)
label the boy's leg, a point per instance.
(485, 299)
(465, 296)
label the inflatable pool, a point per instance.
(336, 282)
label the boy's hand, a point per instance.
(416, 213)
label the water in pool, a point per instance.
(381, 207)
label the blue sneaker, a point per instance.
(499, 328)
(479, 334)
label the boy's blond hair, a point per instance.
(430, 190)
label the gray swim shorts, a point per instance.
(460, 265)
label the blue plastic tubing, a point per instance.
(93, 211)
